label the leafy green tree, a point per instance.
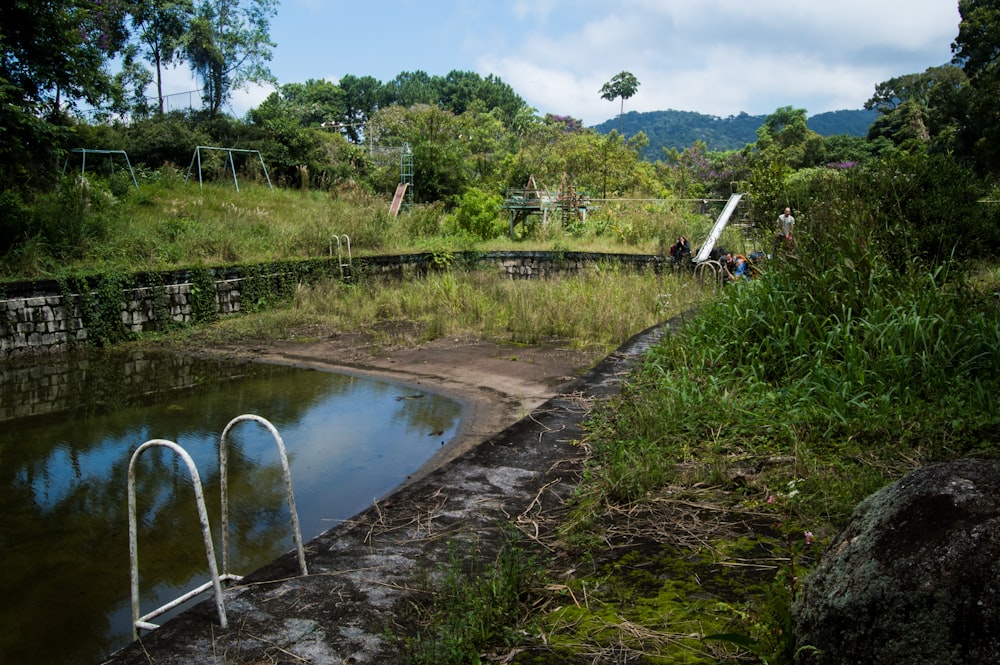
(165, 139)
(485, 137)
(786, 138)
(478, 214)
(409, 88)
(905, 126)
(315, 102)
(784, 144)
(597, 164)
(921, 111)
(58, 53)
(846, 150)
(976, 50)
(889, 95)
(362, 98)
(459, 89)
(228, 45)
(622, 85)
(934, 200)
(160, 26)
(53, 57)
(442, 160)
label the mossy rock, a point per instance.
(914, 576)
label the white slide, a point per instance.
(720, 224)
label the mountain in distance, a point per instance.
(680, 129)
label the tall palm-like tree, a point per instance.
(624, 84)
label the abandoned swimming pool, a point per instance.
(66, 438)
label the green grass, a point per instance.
(597, 310)
(472, 603)
(171, 224)
(796, 396)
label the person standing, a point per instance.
(784, 228)
(786, 223)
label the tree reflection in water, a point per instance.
(64, 541)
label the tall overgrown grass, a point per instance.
(596, 310)
(852, 364)
(847, 364)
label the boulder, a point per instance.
(913, 578)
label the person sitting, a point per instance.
(680, 250)
(742, 269)
(728, 264)
(737, 268)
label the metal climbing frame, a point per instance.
(215, 583)
(406, 176)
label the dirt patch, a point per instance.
(498, 384)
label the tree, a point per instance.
(362, 97)
(784, 144)
(442, 160)
(59, 54)
(459, 89)
(161, 26)
(920, 111)
(409, 88)
(228, 45)
(976, 50)
(53, 56)
(623, 85)
(785, 137)
(315, 102)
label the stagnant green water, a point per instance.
(68, 429)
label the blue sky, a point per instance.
(719, 57)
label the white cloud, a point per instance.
(721, 56)
(712, 56)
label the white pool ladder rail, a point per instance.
(342, 242)
(224, 494)
(144, 622)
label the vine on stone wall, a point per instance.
(160, 301)
(203, 298)
(99, 301)
(100, 307)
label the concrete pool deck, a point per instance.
(351, 606)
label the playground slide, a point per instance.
(397, 199)
(720, 224)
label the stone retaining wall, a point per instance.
(43, 315)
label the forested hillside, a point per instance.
(680, 129)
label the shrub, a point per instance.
(15, 220)
(478, 213)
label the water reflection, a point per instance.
(64, 540)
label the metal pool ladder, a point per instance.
(215, 583)
(342, 241)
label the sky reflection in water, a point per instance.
(64, 540)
